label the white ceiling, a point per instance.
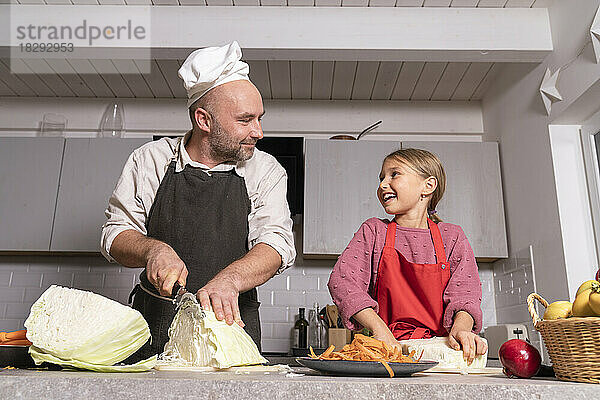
(318, 80)
(371, 80)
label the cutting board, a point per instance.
(257, 369)
(474, 371)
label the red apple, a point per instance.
(519, 358)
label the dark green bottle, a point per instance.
(300, 330)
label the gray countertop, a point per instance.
(42, 384)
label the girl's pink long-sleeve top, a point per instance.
(352, 281)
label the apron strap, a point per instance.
(176, 152)
(402, 329)
(419, 333)
(390, 236)
(132, 294)
(143, 288)
(438, 244)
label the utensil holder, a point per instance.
(338, 337)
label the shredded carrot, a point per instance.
(389, 370)
(364, 348)
(328, 351)
(312, 353)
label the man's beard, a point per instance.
(222, 147)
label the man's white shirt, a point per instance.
(269, 220)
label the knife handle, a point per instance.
(175, 290)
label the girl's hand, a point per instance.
(369, 319)
(472, 345)
(387, 338)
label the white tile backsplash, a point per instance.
(26, 279)
(513, 280)
(16, 310)
(57, 278)
(5, 278)
(303, 282)
(488, 301)
(273, 314)
(11, 295)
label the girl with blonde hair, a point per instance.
(414, 276)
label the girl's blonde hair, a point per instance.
(426, 164)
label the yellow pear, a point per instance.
(585, 286)
(595, 299)
(558, 309)
(581, 305)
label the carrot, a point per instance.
(18, 342)
(15, 338)
(365, 348)
(328, 351)
(389, 370)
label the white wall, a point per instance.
(514, 115)
(573, 205)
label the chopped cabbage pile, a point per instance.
(437, 349)
(197, 338)
(76, 328)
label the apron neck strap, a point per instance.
(390, 236)
(438, 244)
(175, 156)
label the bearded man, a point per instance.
(206, 211)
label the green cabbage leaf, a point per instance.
(81, 329)
(197, 338)
(140, 366)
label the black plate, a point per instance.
(364, 368)
(15, 356)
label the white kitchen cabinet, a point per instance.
(29, 173)
(91, 168)
(473, 197)
(340, 179)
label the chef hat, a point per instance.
(207, 68)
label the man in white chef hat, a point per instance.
(207, 211)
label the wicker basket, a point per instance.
(573, 344)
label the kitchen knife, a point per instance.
(178, 292)
(180, 295)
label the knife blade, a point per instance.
(180, 294)
(177, 294)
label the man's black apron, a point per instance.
(204, 218)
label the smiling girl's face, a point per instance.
(400, 188)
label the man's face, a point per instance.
(236, 124)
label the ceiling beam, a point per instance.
(330, 33)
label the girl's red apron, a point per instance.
(410, 296)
